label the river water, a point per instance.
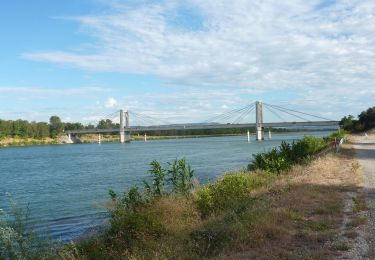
(66, 187)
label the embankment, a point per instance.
(312, 209)
(315, 209)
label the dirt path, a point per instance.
(365, 153)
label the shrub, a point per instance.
(129, 226)
(282, 158)
(132, 219)
(18, 240)
(228, 192)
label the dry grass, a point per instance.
(307, 213)
(16, 141)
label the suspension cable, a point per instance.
(227, 115)
(307, 114)
(244, 114)
(286, 111)
(273, 112)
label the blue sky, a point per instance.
(184, 60)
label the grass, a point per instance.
(17, 141)
(360, 203)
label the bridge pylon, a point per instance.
(124, 124)
(259, 121)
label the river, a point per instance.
(66, 187)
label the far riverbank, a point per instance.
(105, 138)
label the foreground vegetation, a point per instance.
(270, 212)
(265, 213)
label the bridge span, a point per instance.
(125, 129)
(208, 126)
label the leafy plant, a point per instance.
(181, 176)
(158, 180)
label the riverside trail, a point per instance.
(365, 153)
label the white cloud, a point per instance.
(111, 103)
(323, 51)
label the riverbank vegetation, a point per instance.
(290, 213)
(23, 133)
(20, 241)
(364, 122)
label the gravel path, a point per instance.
(365, 153)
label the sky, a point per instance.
(184, 60)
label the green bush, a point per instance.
(132, 220)
(129, 226)
(178, 177)
(228, 192)
(282, 158)
(336, 135)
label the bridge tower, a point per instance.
(122, 130)
(124, 124)
(127, 125)
(259, 121)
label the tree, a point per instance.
(42, 130)
(73, 126)
(347, 122)
(366, 121)
(55, 126)
(367, 118)
(106, 124)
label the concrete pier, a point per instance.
(259, 121)
(127, 125)
(122, 130)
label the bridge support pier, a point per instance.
(122, 130)
(259, 121)
(127, 133)
(70, 139)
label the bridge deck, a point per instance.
(212, 126)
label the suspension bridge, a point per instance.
(235, 117)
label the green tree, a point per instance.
(367, 118)
(55, 126)
(42, 130)
(105, 124)
(347, 122)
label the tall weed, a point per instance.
(18, 240)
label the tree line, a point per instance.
(365, 121)
(55, 127)
(39, 130)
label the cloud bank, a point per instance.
(322, 50)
